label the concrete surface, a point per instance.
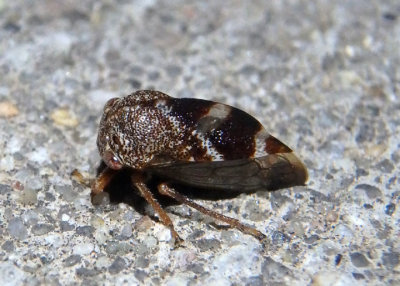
(323, 76)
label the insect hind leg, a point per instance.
(164, 189)
(138, 182)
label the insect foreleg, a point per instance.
(102, 181)
(164, 189)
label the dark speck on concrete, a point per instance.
(390, 208)
(41, 229)
(86, 230)
(358, 276)
(12, 27)
(254, 281)
(389, 16)
(317, 197)
(390, 259)
(121, 248)
(72, 260)
(17, 229)
(8, 246)
(358, 259)
(278, 200)
(46, 259)
(142, 262)
(371, 191)
(278, 237)
(117, 266)
(135, 84)
(140, 275)
(136, 71)
(65, 226)
(173, 70)
(89, 282)
(338, 259)
(196, 268)
(365, 133)
(195, 235)
(361, 172)
(207, 244)
(49, 197)
(154, 75)
(368, 206)
(385, 166)
(86, 272)
(5, 189)
(272, 269)
(311, 239)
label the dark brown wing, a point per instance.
(269, 172)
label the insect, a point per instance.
(193, 142)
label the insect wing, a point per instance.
(245, 175)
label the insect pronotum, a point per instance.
(193, 142)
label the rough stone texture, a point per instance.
(323, 76)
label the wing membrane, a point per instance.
(268, 172)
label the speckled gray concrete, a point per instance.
(322, 77)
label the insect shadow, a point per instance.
(120, 190)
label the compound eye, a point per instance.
(112, 161)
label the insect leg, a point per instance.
(138, 182)
(164, 189)
(102, 181)
(80, 178)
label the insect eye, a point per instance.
(112, 161)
